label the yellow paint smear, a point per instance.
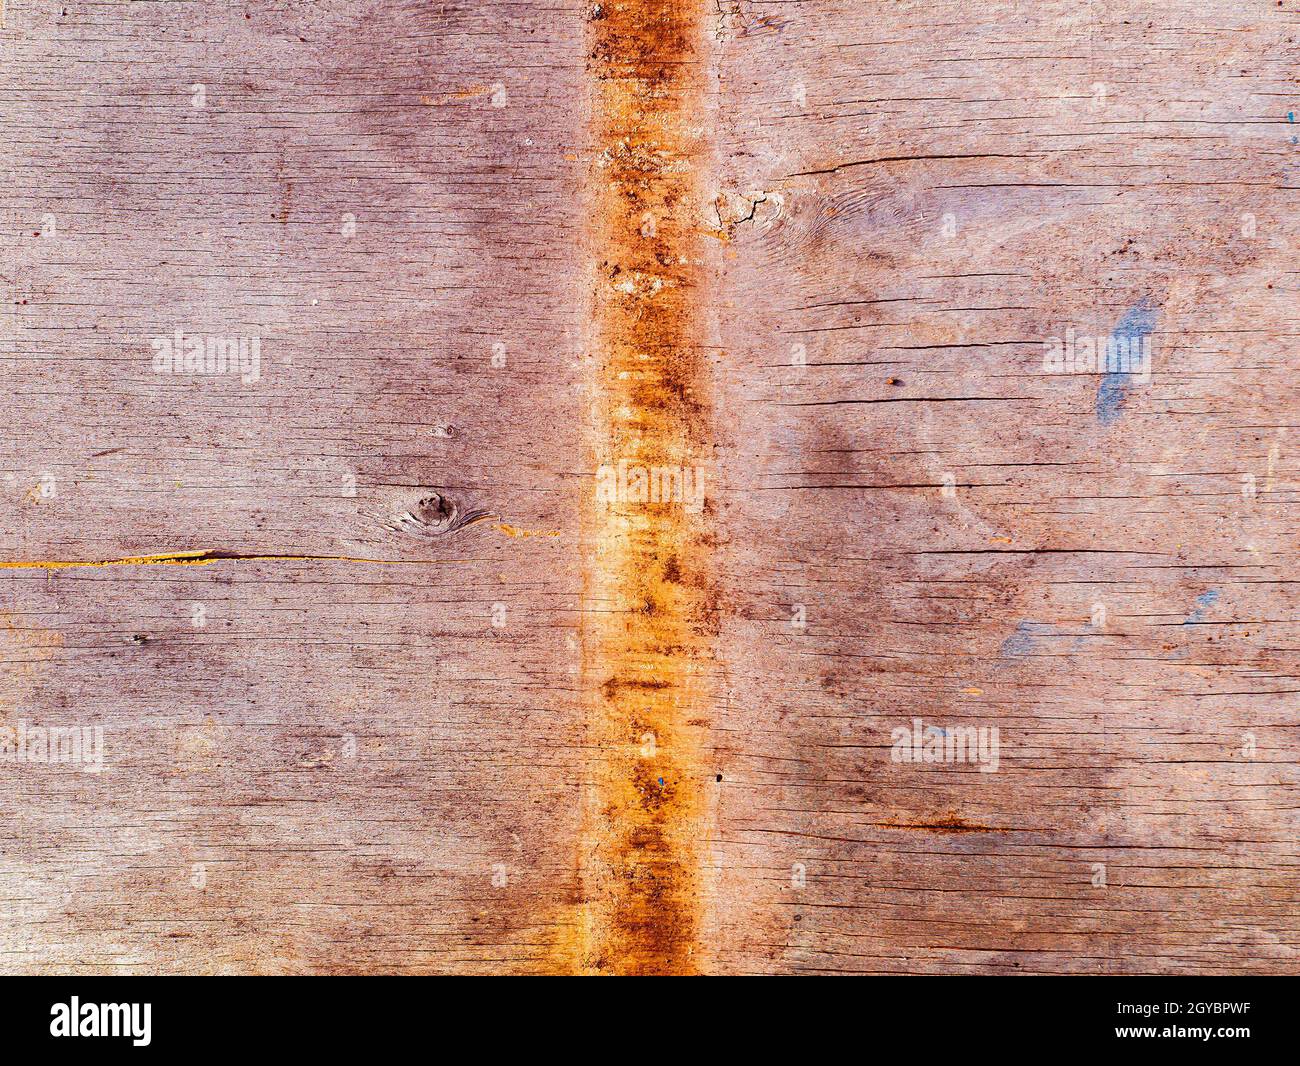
(515, 531)
(204, 557)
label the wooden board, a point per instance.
(392, 677)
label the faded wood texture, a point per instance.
(430, 704)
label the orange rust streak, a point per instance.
(649, 620)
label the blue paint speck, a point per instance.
(1204, 600)
(1024, 641)
(661, 781)
(1138, 322)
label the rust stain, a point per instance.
(648, 623)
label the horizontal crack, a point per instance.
(205, 556)
(193, 558)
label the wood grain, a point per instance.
(368, 652)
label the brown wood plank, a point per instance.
(375, 660)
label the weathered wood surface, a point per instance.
(397, 720)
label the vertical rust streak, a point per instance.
(647, 635)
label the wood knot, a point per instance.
(433, 515)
